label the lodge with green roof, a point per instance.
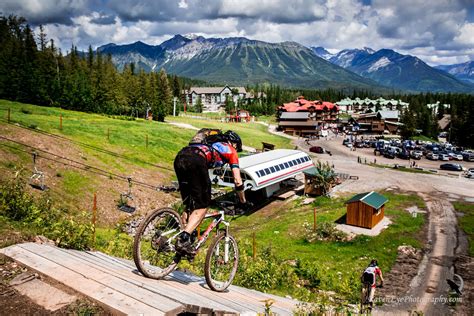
(365, 209)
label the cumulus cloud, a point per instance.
(437, 31)
(45, 11)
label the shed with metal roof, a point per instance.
(365, 209)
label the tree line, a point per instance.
(34, 70)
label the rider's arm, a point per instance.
(234, 165)
(238, 184)
(379, 272)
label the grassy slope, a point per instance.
(284, 232)
(126, 137)
(252, 134)
(466, 222)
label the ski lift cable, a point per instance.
(85, 167)
(99, 149)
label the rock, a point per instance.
(40, 239)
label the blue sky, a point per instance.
(437, 31)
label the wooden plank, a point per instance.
(188, 289)
(194, 302)
(114, 300)
(66, 260)
(289, 304)
(183, 283)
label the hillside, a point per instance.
(84, 139)
(239, 61)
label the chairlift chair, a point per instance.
(37, 178)
(126, 202)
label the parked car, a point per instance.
(389, 154)
(416, 154)
(451, 166)
(432, 156)
(317, 149)
(470, 173)
(404, 154)
(455, 156)
(443, 157)
(468, 156)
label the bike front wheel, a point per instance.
(222, 260)
(153, 247)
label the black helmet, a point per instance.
(234, 138)
(373, 263)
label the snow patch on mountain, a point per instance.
(382, 62)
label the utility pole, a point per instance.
(174, 105)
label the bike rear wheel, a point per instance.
(222, 260)
(153, 247)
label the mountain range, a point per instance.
(464, 71)
(241, 61)
(389, 68)
(238, 61)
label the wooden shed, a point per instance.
(365, 209)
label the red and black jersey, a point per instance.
(219, 154)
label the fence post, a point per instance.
(94, 217)
(108, 134)
(60, 122)
(146, 140)
(314, 219)
(8, 116)
(254, 247)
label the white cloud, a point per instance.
(437, 31)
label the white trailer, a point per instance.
(266, 170)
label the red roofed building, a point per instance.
(304, 117)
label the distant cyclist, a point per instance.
(191, 166)
(369, 277)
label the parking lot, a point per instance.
(367, 156)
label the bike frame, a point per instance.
(218, 219)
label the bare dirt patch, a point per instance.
(108, 189)
(13, 303)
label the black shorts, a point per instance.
(191, 169)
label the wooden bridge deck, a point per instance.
(116, 284)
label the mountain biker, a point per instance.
(369, 277)
(191, 166)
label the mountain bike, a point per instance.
(154, 247)
(365, 305)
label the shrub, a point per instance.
(40, 214)
(325, 231)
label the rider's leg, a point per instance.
(195, 219)
(372, 294)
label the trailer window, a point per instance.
(272, 169)
(267, 171)
(277, 167)
(286, 165)
(282, 166)
(299, 160)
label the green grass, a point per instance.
(466, 222)
(341, 262)
(400, 168)
(126, 137)
(252, 134)
(424, 138)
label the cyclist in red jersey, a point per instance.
(191, 166)
(369, 276)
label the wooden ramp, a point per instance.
(117, 285)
